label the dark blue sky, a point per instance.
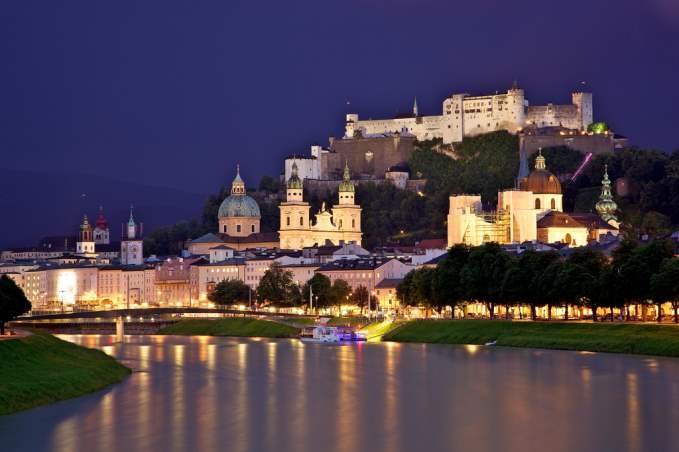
(174, 93)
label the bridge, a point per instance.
(137, 320)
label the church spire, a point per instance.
(606, 206)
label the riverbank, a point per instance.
(239, 327)
(41, 369)
(659, 340)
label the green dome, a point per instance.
(239, 206)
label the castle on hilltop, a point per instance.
(464, 115)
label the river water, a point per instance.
(206, 393)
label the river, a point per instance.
(207, 393)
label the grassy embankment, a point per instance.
(660, 340)
(41, 369)
(240, 327)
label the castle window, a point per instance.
(537, 203)
(553, 204)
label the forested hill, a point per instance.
(481, 165)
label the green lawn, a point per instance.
(661, 340)
(239, 326)
(41, 369)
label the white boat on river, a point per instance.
(322, 334)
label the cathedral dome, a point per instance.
(238, 204)
(541, 181)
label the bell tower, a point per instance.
(85, 243)
(295, 226)
(132, 245)
(347, 214)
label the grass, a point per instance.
(660, 340)
(41, 369)
(240, 327)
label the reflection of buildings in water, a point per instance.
(178, 405)
(633, 427)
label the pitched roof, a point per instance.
(556, 219)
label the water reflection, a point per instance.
(206, 393)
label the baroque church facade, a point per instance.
(341, 224)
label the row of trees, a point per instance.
(277, 288)
(635, 275)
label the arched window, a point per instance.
(553, 204)
(287, 220)
(537, 203)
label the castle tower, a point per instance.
(606, 206)
(295, 227)
(131, 245)
(585, 108)
(102, 234)
(239, 214)
(515, 115)
(347, 214)
(85, 243)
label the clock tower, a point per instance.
(131, 245)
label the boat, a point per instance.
(322, 334)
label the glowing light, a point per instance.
(67, 287)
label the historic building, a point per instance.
(85, 243)
(239, 221)
(102, 235)
(464, 115)
(132, 245)
(342, 224)
(532, 212)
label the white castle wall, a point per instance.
(464, 115)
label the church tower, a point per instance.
(131, 245)
(295, 224)
(101, 231)
(85, 243)
(606, 206)
(347, 214)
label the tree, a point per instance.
(13, 301)
(278, 288)
(447, 287)
(340, 292)
(484, 273)
(320, 285)
(229, 291)
(361, 297)
(665, 285)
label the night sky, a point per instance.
(174, 93)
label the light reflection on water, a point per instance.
(206, 393)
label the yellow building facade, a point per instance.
(341, 224)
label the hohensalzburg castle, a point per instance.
(464, 115)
